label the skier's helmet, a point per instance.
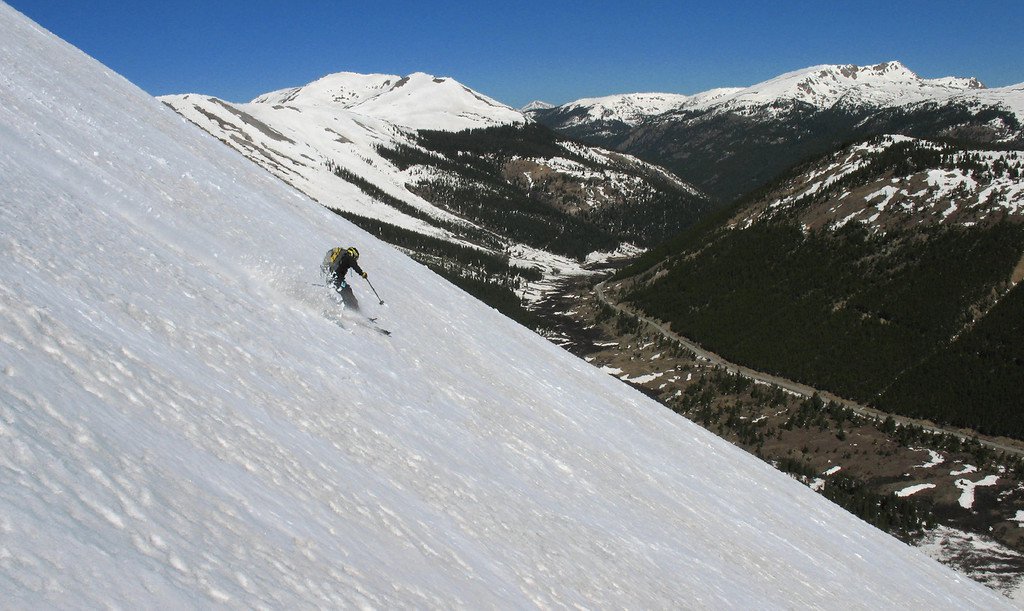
(352, 251)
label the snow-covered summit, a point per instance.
(343, 89)
(186, 422)
(630, 108)
(416, 101)
(536, 105)
(825, 86)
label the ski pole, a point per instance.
(374, 290)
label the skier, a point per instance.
(336, 264)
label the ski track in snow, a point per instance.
(186, 422)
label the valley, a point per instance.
(953, 493)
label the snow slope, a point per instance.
(186, 422)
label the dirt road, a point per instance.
(1008, 446)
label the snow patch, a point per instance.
(911, 490)
(967, 496)
(935, 459)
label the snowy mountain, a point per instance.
(302, 134)
(884, 85)
(630, 109)
(880, 86)
(605, 120)
(731, 141)
(416, 101)
(186, 422)
(514, 191)
(536, 105)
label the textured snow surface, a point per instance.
(186, 422)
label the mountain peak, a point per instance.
(627, 108)
(344, 89)
(890, 71)
(897, 72)
(536, 105)
(416, 101)
(848, 85)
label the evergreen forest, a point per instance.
(871, 317)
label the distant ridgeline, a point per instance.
(691, 144)
(730, 141)
(887, 273)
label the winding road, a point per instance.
(791, 386)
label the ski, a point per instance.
(371, 320)
(376, 325)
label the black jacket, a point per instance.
(341, 266)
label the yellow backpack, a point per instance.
(329, 259)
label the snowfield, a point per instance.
(186, 422)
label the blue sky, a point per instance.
(518, 51)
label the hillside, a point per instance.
(730, 142)
(874, 273)
(462, 183)
(188, 423)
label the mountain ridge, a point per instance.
(729, 142)
(943, 185)
(824, 85)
